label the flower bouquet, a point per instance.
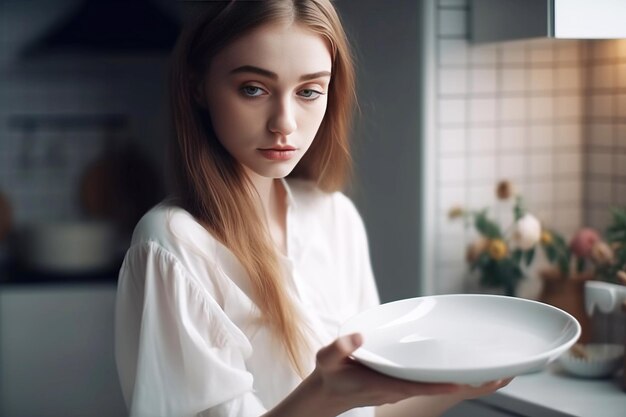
(501, 255)
(586, 257)
(588, 253)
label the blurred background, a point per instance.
(84, 124)
(84, 118)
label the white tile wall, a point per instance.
(483, 80)
(621, 69)
(541, 78)
(513, 80)
(599, 164)
(600, 134)
(481, 110)
(481, 140)
(541, 109)
(540, 137)
(602, 76)
(453, 81)
(568, 107)
(511, 167)
(512, 53)
(513, 109)
(512, 138)
(605, 145)
(568, 135)
(568, 78)
(545, 114)
(481, 168)
(452, 141)
(510, 110)
(568, 164)
(483, 55)
(600, 105)
(452, 170)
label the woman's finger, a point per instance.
(484, 389)
(339, 350)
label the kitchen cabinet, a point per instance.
(56, 350)
(501, 20)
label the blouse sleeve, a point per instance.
(177, 352)
(367, 291)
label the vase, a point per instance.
(568, 294)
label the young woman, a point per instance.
(231, 294)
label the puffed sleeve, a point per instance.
(177, 352)
(368, 294)
(365, 285)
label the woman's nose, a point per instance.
(283, 119)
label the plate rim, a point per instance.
(530, 360)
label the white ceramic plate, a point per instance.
(462, 338)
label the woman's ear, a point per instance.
(197, 90)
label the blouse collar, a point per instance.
(291, 202)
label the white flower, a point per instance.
(526, 232)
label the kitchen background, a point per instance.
(547, 114)
(72, 124)
(61, 110)
(442, 119)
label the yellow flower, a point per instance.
(456, 212)
(621, 276)
(497, 249)
(546, 238)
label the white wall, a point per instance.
(547, 114)
(508, 110)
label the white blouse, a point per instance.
(187, 337)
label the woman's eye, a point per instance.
(252, 91)
(309, 94)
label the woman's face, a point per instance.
(267, 93)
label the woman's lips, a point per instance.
(278, 154)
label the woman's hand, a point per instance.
(430, 406)
(468, 392)
(339, 383)
(347, 384)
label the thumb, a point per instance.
(339, 350)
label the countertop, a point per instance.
(554, 393)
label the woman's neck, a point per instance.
(272, 207)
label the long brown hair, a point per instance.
(212, 185)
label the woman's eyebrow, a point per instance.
(315, 75)
(274, 76)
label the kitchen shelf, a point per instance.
(505, 20)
